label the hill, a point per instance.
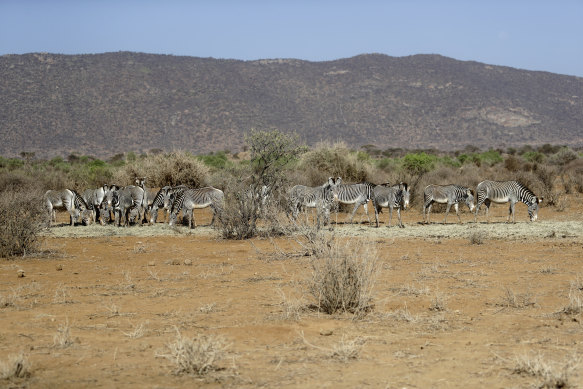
(104, 104)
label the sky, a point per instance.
(532, 35)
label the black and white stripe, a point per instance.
(188, 200)
(395, 196)
(357, 194)
(511, 192)
(447, 194)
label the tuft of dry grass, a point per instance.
(17, 366)
(62, 339)
(477, 237)
(516, 300)
(554, 375)
(347, 350)
(575, 305)
(195, 356)
(344, 276)
(138, 331)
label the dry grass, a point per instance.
(138, 331)
(16, 366)
(510, 299)
(62, 339)
(344, 276)
(195, 356)
(553, 375)
(347, 350)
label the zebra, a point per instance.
(149, 195)
(157, 203)
(94, 198)
(170, 196)
(396, 196)
(71, 201)
(124, 201)
(507, 191)
(447, 194)
(188, 200)
(106, 208)
(357, 194)
(320, 197)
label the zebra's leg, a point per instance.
(390, 216)
(376, 214)
(365, 206)
(354, 211)
(446, 212)
(399, 215)
(429, 211)
(487, 204)
(511, 211)
(457, 212)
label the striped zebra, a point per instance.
(447, 194)
(124, 201)
(188, 200)
(395, 196)
(157, 203)
(107, 210)
(149, 195)
(301, 197)
(357, 194)
(94, 198)
(501, 192)
(71, 201)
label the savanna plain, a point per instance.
(490, 305)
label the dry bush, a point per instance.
(572, 176)
(347, 350)
(343, 277)
(575, 305)
(554, 375)
(177, 168)
(477, 237)
(335, 160)
(23, 216)
(196, 356)
(17, 366)
(62, 339)
(517, 301)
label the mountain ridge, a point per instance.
(104, 104)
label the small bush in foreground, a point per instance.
(343, 278)
(197, 355)
(17, 366)
(22, 215)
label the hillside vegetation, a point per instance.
(106, 104)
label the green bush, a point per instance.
(418, 163)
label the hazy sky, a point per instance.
(534, 35)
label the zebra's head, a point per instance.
(406, 194)
(86, 217)
(533, 208)
(470, 199)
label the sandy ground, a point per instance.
(100, 305)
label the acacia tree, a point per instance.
(252, 189)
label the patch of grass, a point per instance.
(516, 300)
(62, 339)
(195, 356)
(477, 237)
(347, 350)
(138, 331)
(16, 366)
(553, 375)
(344, 277)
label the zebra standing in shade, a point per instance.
(396, 196)
(69, 200)
(149, 196)
(447, 194)
(188, 200)
(357, 194)
(320, 197)
(511, 192)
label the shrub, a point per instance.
(23, 216)
(333, 161)
(245, 192)
(534, 156)
(17, 366)
(198, 355)
(177, 168)
(418, 163)
(343, 277)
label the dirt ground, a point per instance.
(485, 305)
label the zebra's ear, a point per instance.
(469, 192)
(539, 199)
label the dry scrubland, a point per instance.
(473, 305)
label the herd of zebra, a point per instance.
(136, 201)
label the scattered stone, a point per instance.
(175, 262)
(326, 332)
(20, 273)
(59, 267)
(188, 262)
(152, 263)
